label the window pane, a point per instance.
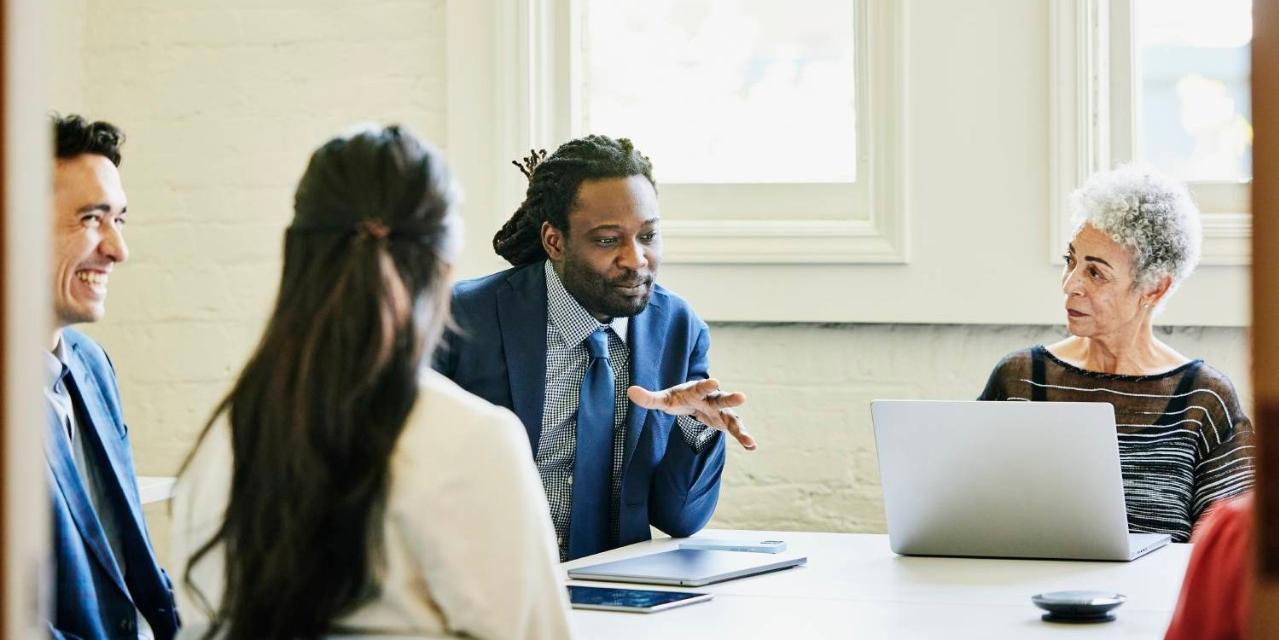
(1193, 60)
(725, 91)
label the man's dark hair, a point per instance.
(552, 190)
(73, 135)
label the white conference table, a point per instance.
(854, 586)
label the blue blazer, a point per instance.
(498, 352)
(93, 598)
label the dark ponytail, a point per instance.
(318, 409)
(552, 189)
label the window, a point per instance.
(757, 116)
(694, 80)
(751, 240)
(1164, 82)
(1194, 116)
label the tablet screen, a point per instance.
(633, 599)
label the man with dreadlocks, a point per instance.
(576, 328)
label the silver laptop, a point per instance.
(686, 567)
(1004, 480)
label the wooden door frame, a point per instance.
(1265, 309)
(25, 166)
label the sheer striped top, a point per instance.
(1184, 441)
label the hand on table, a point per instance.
(701, 399)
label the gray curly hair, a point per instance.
(1147, 212)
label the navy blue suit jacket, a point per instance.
(93, 599)
(498, 352)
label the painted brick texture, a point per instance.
(808, 391)
(222, 103)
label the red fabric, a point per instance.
(1215, 596)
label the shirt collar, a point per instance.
(54, 361)
(573, 322)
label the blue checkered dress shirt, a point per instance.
(567, 326)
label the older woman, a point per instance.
(1184, 441)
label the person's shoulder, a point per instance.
(456, 445)
(451, 417)
(484, 286)
(211, 455)
(94, 358)
(474, 286)
(437, 393)
(667, 299)
(74, 337)
(1009, 373)
(1018, 360)
(673, 305)
(80, 343)
(1213, 378)
(202, 488)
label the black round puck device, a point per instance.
(1078, 606)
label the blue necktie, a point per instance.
(593, 460)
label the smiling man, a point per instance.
(576, 329)
(109, 584)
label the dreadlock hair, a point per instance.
(553, 182)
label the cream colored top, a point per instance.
(468, 537)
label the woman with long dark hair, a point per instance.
(342, 486)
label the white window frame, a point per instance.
(1093, 125)
(537, 103)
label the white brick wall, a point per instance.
(223, 101)
(808, 391)
(65, 39)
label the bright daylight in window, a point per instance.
(1193, 61)
(725, 91)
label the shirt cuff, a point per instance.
(696, 434)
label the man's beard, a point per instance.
(600, 295)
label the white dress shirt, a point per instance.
(468, 539)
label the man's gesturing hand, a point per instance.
(701, 399)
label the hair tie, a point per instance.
(372, 228)
(528, 164)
